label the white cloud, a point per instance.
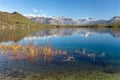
(32, 15)
(41, 15)
(34, 10)
(39, 12)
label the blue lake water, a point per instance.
(97, 40)
(72, 48)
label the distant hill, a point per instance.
(54, 20)
(70, 21)
(115, 19)
(15, 20)
(88, 20)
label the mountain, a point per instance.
(101, 21)
(15, 20)
(70, 21)
(54, 20)
(115, 19)
(87, 20)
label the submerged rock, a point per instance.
(102, 55)
(92, 55)
(69, 58)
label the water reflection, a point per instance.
(98, 40)
(67, 32)
(22, 52)
(57, 41)
(62, 50)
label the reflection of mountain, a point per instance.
(59, 33)
(67, 32)
(56, 33)
(115, 34)
(87, 34)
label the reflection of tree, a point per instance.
(33, 53)
(47, 52)
(4, 53)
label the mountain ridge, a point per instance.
(16, 20)
(54, 20)
(70, 21)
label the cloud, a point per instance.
(41, 15)
(32, 15)
(38, 13)
(34, 10)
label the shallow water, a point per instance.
(75, 54)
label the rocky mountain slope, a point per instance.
(70, 21)
(54, 20)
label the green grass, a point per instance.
(15, 20)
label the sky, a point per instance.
(99, 9)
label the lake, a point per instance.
(62, 54)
